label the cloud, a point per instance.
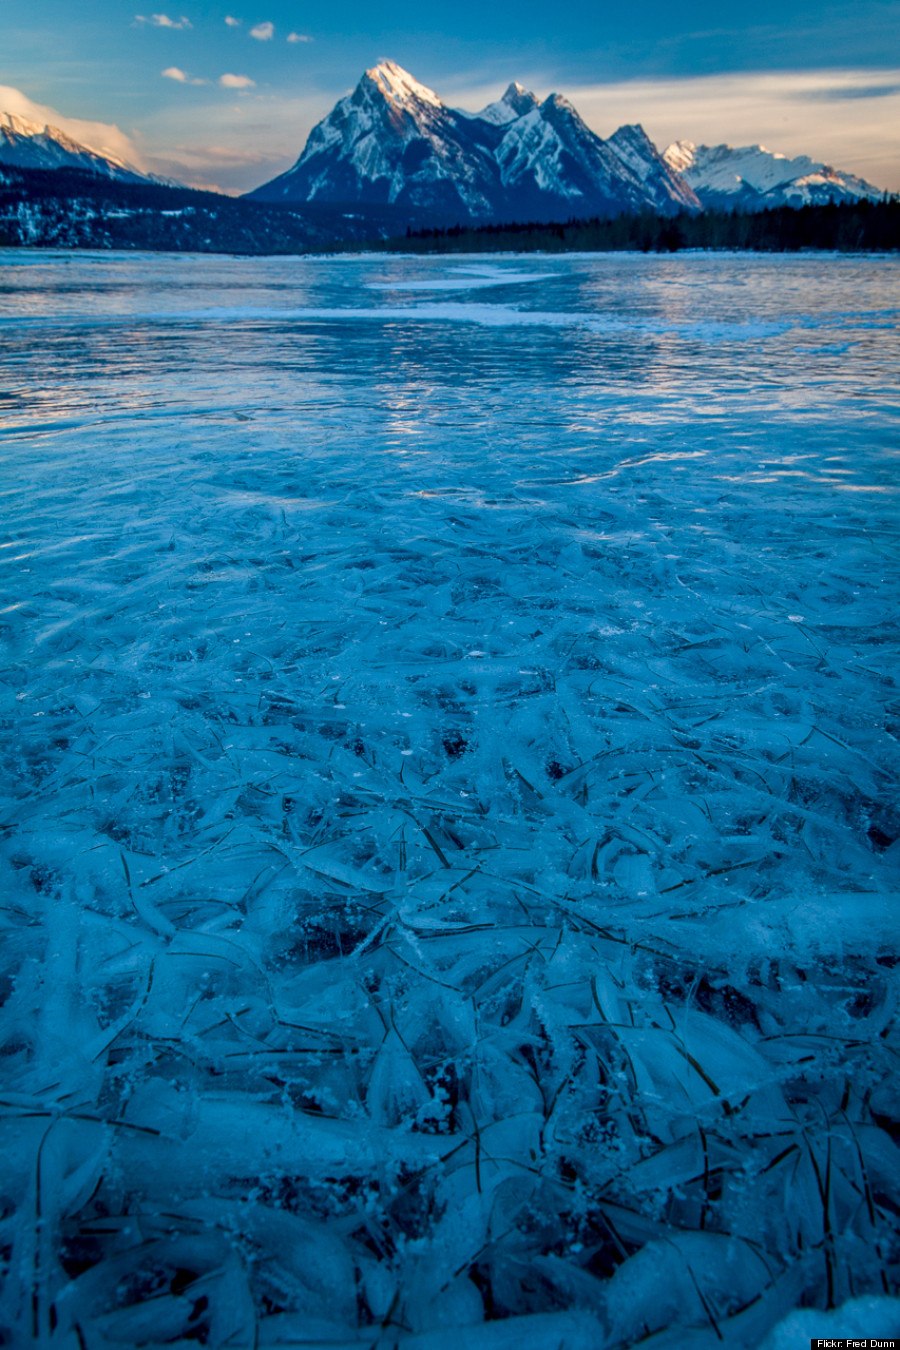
(201, 156)
(104, 137)
(855, 91)
(163, 21)
(173, 73)
(234, 141)
(298, 37)
(263, 32)
(232, 22)
(236, 82)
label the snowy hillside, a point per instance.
(753, 176)
(28, 145)
(68, 208)
(393, 140)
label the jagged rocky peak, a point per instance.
(632, 138)
(561, 102)
(563, 117)
(399, 86)
(662, 181)
(15, 128)
(557, 110)
(680, 155)
(559, 118)
(519, 99)
(516, 102)
(20, 126)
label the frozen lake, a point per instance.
(449, 803)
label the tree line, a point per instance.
(841, 226)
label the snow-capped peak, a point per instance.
(393, 141)
(752, 176)
(516, 102)
(398, 85)
(680, 155)
(20, 126)
(31, 145)
(559, 102)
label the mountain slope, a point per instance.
(549, 157)
(752, 177)
(28, 145)
(393, 140)
(662, 183)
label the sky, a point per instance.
(224, 96)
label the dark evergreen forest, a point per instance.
(865, 225)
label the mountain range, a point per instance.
(393, 151)
(752, 178)
(393, 140)
(30, 145)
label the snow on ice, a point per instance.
(449, 803)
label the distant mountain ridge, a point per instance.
(391, 157)
(25, 144)
(394, 141)
(752, 177)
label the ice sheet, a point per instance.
(449, 805)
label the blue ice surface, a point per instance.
(449, 812)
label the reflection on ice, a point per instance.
(465, 279)
(449, 817)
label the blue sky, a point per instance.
(225, 95)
